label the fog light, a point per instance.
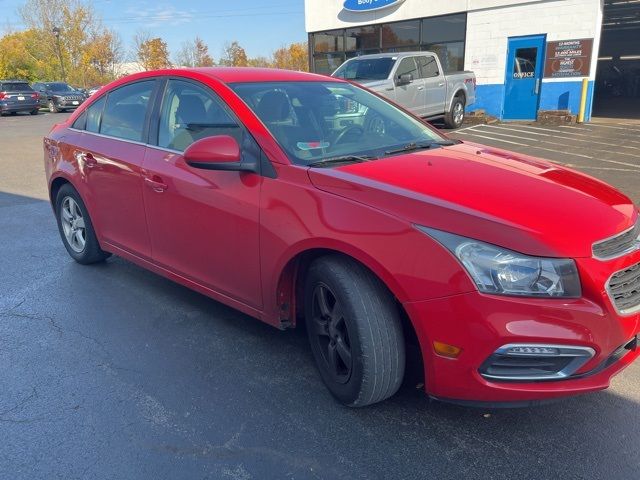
(535, 362)
(446, 350)
(530, 350)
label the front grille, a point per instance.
(619, 245)
(624, 290)
(72, 98)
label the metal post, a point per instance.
(56, 32)
(583, 100)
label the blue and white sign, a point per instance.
(368, 5)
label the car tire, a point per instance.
(52, 107)
(355, 331)
(35, 112)
(76, 229)
(455, 116)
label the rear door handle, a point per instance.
(156, 184)
(420, 88)
(441, 84)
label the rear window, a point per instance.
(15, 87)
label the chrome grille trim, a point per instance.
(623, 288)
(618, 245)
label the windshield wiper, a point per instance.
(419, 146)
(342, 159)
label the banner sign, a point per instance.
(568, 58)
(368, 5)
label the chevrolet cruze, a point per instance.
(298, 198)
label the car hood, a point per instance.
(512, 200)
(374, 84)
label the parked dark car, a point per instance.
(58, 96)
(18, 96)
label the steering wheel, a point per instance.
(347, 131)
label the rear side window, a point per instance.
(428, 66)
(126, 110)
(94, 114)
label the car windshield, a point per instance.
(315, 121)
(59, 87)
(15, 87)
(366, 69)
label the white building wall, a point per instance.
(488, 31)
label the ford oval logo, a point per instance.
(368, 5)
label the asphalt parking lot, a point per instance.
(111, 372)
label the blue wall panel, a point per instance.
(553, 96)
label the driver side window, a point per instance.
(407, 65)
(189, 113)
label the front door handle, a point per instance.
(420, 88)
(441, 84)
(156, 184)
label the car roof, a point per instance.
(237, 75)
(392, 55)
(14, 81)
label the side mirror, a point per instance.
(221, 152)
(404, 79)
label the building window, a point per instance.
(326, 63)
(363, 39)
(401, 34)
(332, 41)
(444, 35)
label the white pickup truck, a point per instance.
(416, 81)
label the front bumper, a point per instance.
(480, 324)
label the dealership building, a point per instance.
(527, 55)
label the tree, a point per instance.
(234, 56)
(194, 54)
(16, 59)
(82, 44)
(292, 57)
(260, 62)
(152, 53)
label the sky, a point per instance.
(260, 26)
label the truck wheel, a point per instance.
(76, 229)
(354, 330)
(455, 116)
(52, 107)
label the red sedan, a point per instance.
(300, 198)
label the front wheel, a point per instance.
(76, 229)
(52, 107)
(355, 331)
(455, 116)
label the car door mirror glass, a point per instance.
(404, 79)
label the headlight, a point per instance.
(505, 272)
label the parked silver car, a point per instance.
(416, 81)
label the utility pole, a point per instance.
(56, 31)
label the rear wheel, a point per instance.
(455, 116)
(354, 330)
(76, 229)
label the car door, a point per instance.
(110, 154)
(434, 84)
(409, 95)
(204, 224)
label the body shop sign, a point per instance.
(568, 58)
(368, 5)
